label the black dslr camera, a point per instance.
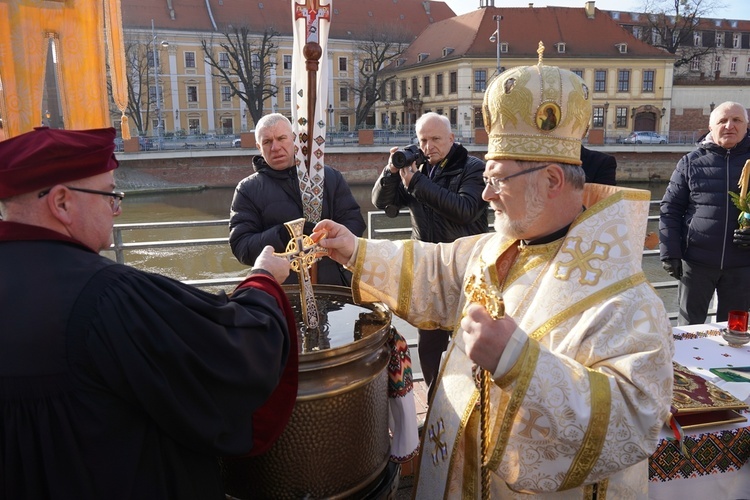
(408, 155)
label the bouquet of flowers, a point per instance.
(742, 200)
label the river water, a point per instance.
(217, 261)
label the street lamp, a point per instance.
(159, 123)
(496, 38)
(606, 108)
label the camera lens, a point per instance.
(401, 159)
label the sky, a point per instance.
(735, 9)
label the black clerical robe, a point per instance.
(116, 383)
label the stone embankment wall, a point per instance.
(359, 165)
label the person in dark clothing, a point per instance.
(265, 200)
(127, 384)
(600, 168)
(444, 196)
(699, 240)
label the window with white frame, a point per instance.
(695, 64)
(190, 59)
(223, 59)
(623, 80)
(737, 40)
(287, 62)
(255, 61)
(192, 93)
(648, 80)
(368, 66)
(621, 117)
(637, 32)
(226, 93)
(719, 39)
(344, 94)
(655, 36)
(287, 93)
(600, 80)
(733, 65)
(597, 117)
(343, 63)
(747, 68)
(717, 63)
(480, 80)
(697, 38)
(194, 125)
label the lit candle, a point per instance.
(743, 181)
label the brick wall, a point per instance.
(226, 169)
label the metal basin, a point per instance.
(337, 443)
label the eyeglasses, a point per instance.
(496, 183)
(114, 200)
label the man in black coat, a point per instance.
(117, 383)
(271, 196)
(600, 168)
(701, 243)
(444, 195)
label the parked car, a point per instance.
(145, 143)
(645, 138)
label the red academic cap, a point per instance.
(45, 157)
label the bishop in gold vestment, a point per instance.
(581, 365)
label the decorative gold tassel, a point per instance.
(124, 127)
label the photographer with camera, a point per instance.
(442, 186)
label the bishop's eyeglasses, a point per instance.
(497, 183)
(114, 200)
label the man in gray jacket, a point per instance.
(443, 190)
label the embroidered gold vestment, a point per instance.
(581, 409)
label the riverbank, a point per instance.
(174, 170)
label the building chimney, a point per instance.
(590, 9)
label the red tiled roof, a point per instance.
(349, 17)
(522, 28)
(706, 23)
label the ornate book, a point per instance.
(697, 402)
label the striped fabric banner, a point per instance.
(311, 26)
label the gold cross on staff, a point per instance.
(302, 252)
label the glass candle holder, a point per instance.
(737, 321)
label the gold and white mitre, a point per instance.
(536, 113)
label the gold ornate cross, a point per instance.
(302, 252)
(435, 435)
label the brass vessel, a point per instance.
(337, 442)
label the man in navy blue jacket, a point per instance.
(700, 243)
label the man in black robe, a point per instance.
(117, 383)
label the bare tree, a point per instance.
(673, 25)
(139, 74)
(379, 47)
(246, 67)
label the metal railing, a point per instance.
(379, 226)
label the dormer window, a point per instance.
(400, 62)
(422, 56)
(560, 47)
(447, 51)
(615, 15)
(622, 48)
